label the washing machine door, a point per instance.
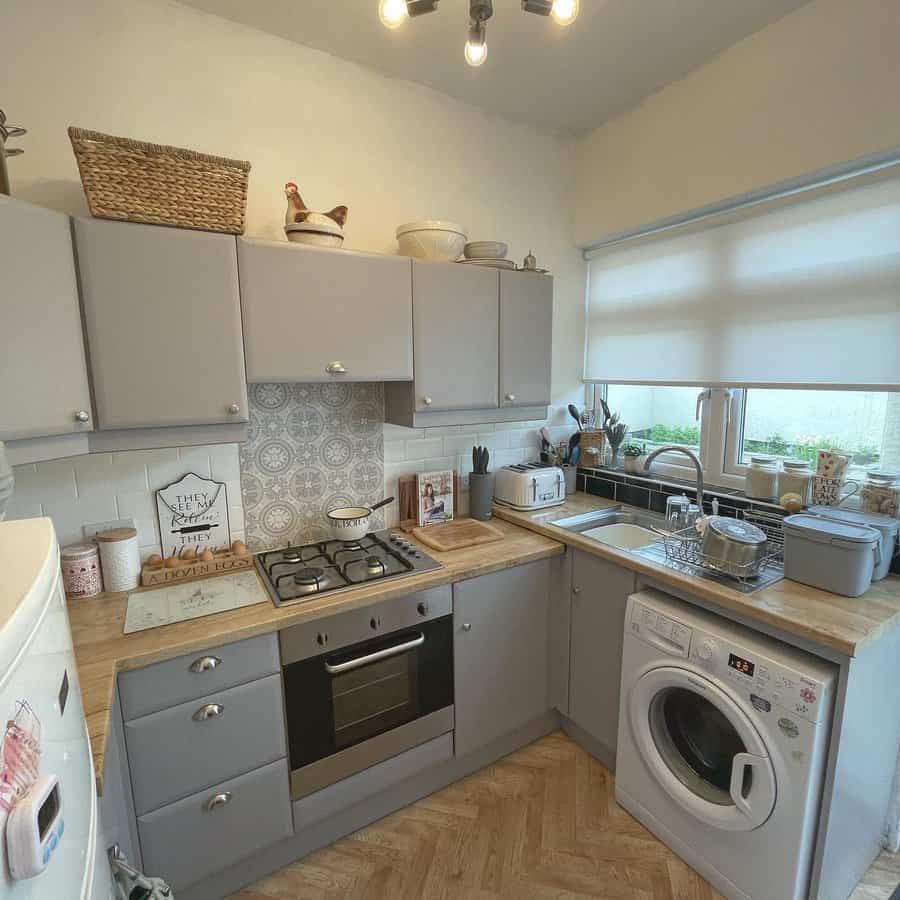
(702, 748)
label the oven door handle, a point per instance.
(352, 664)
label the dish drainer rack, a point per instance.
(686, 546)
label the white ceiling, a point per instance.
(565, 80)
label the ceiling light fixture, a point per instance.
(394, 12)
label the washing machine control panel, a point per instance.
(661, 631)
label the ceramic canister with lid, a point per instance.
(80, 564)
(795, 478)
(761, 480)
(120, 558)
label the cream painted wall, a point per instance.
(390, 150)
(816, 88)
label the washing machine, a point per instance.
(723, 735)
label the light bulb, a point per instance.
(392, 12)
(476, 53)
(564, 12)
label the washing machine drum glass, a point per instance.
(698, 743)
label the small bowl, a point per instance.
(485, 250)
(432, 239)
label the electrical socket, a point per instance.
(95, 528)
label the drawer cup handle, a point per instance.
(217, 801)
(210, 711)
(204, 664)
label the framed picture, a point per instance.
(435, 495)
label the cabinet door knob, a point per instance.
(510, 397)
(234, 409)
(467, 626)
(82, 416)
(576, 590)
(210, 711)
(204, 664)
(336, 368)
(218, 800)
(427, 400)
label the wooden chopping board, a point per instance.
(458, 534)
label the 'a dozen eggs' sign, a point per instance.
(193, 512)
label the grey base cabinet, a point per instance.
(500, 653)
(600, 593)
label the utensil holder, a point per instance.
(481, 496)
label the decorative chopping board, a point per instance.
(458, 534)
(192, 600)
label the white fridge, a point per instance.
(50, 837)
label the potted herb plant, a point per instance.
(633, 454)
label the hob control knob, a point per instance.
(706, 650)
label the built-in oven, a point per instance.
(350, 704)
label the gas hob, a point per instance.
(295, 574)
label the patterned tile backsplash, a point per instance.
(311, 448)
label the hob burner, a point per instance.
(291, 556)
(374, 565)
(309, 579)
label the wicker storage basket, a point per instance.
(160, 185)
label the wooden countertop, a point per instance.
(102, 650)
(844, 624)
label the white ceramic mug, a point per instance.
(827, 491)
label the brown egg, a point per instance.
(188, 553)
(239, 548)
(171, 562)
(154, 560)
(207, 555)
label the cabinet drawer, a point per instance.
(174, 681)
(195, 837)
(178, 751)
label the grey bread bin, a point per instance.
(887, 525)
(834, 556)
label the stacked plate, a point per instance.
(487, 253)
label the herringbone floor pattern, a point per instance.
(540, 823)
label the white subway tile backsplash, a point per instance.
(224, 462)
(394, 451)
(425, 448)
(136, 504)
(498, 440)
(23, 509)
(193, 459)
(460, 444)
(401, 433)
(69, 515)
(43, 483)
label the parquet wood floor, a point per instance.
(540, 823)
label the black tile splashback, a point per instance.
(633, 496)
(600, 487)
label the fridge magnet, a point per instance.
(435, 493)
(193, 514)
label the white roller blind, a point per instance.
(805, 295)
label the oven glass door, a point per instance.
(341, 699)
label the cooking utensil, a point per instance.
(573, 412)
(350, 523)
(733, 546)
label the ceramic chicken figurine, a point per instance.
(304, 226)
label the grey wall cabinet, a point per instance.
(455, 322)
(526, 333)
(500, 653)
(319, 315)
(600, 593)
(483, 341)
(163, 319)
(42, 365)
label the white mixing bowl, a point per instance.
(432, 239)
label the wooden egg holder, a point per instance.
(224, 562)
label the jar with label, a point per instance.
(795, 478)
(80, 564)
(881, 493)
(761, 480)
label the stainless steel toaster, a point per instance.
(529, 486)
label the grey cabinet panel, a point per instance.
(187, 841)
(456, 326)
(174, 681)
(176, 752)
(500, 659)
(526, 338)
(42, 364)
(306, 308)
(600, 595)
(163, 318)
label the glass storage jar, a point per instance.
(795, 478)
(881, 493)
(761, 480)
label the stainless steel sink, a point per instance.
(625, 529)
